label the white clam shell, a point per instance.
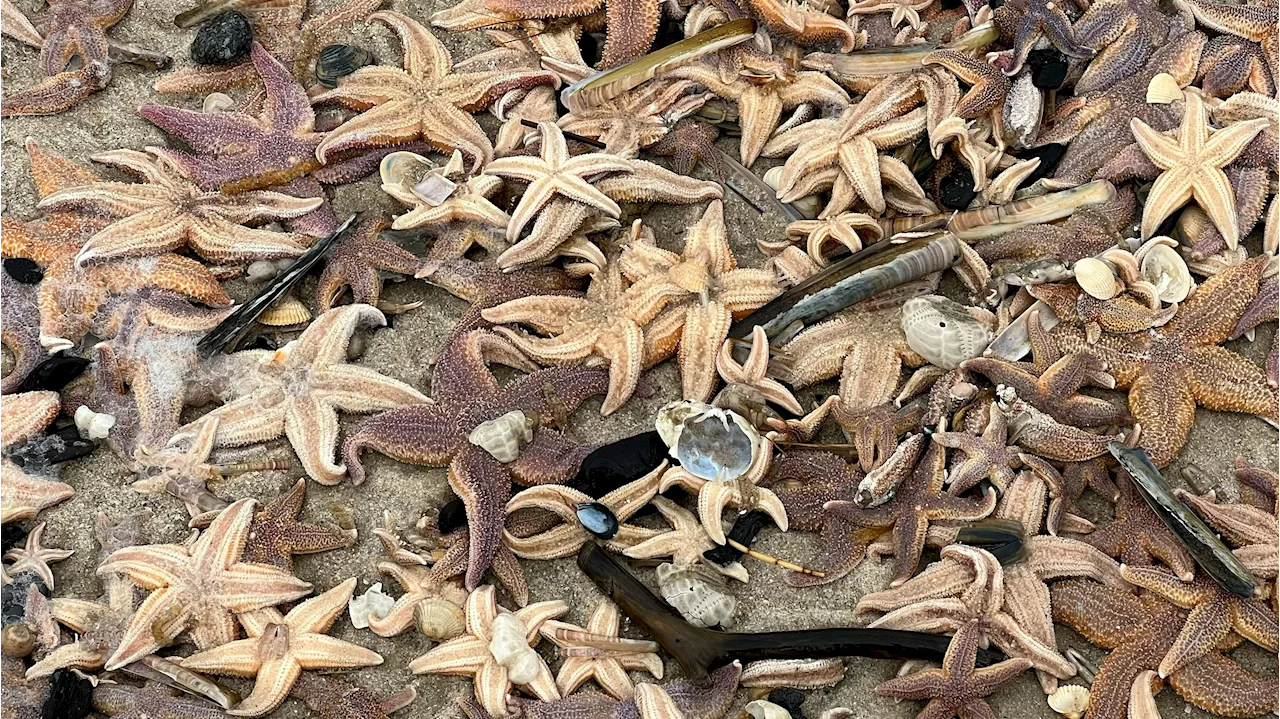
(403, 168)
(503, 437)
(1163, 90)
(374, 602)
(943, 331)
(1096, 278)
(1164, 267)
(1070, 700)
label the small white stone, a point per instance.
(93, 425)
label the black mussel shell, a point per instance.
(55, 447)
(23, 270)
(618, 463)
(13, 596)
(54, 373)
(1048, 68)
(1004, 538)
(598, 519)
(1050, 155)
(338, 61)
(453, 516)
(956, 192)
(789, 699)
(744, 532)
(70, 696)
(223, 40)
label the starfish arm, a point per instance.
(361, 389)
(484, 485)
(57, 93)
(462, 656)
(1162, 149)
(206, 133)
(312, 428)
(632, 26)
(318, 613)
(493, 684)
(239, 658)
(625, 352)
(274, 679)
(1164, 404)
(758, 110)
(149, 231)
(1223, 380)
(319, 651)
(221, 241)
(1220, 685)
(381, 125)
(1207, 317)
(570, 347)
(748, 289)
(920, 685)
(1057, 557)
(1106, 616)
(424, 57)
(1206, 626)
(243, 421)
(370, 85)
(861, 166)
(548, 459)
(544, 313)
(705, 327)
(1017, 641)
(139, 638)
(150, 566)
(1256, 622)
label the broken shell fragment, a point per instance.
(503, 437)
(400, 171)
(716, 444)
(693, 592)
(1096, 278)
(1163, 90)
(1070, 700)
(93, 425)
(1163, 267)
(373, 603)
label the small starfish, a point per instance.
(166, 212)
(240, 152)
(426, 100)
(688, 143)
(957, 689)
(485, 285)
(197, 586)
(300, 389)
(467, 395)
(607, 323)
(153, 700)
(1137, 536)
(34, 558)
(679, 698)
(1056, 390)
(1245, 526)
(989, 456)
(424, 591)
(685, 542)
(331, 698)
(597, 652)
(464, 218)
(748, 382)
(181, 469)
(1192, 167)
(58, 93)
(988, 86)
(744, 493)
(469, 655)
(355, 263)
(23, 496)
(847, 229)
(1031, 20)
(280, 647)
(276, 534)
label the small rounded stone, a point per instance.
(955, 192)
(23, 270)
(598, 519)
(223, 40)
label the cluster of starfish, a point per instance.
(1103, 168)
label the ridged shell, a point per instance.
(1163, 89)
(1096, 278)
(1070, 700)
(503, 437)
(690, 276)
(17, 640)
(337, 61)
(697, 600)
(943, 331)
(1163, 267)
(287, 312)
(439, 619)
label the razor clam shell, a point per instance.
(891, 61)
(1014, 343)
(994, 221)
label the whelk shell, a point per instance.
(1096, 278)
(1163, 89)
(503, 437)
(1070, 700)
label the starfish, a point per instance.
(58, 93)
(25, 415)
(167, 212)
(988, 86)
(802, 24)
(607, 323)
(426, 100)
(33, 557)
(240, 152)
(635, 119)
(299, 390)
(630, 25)
(762, 89)
(988, 456)
(464, 218)
(280, 647)
(70, 296)
(1088, 232)
(957, 689)
(1249, 22)
(596, 651)
(427, 595)
(1056, 390)
(1123, 33)
(1170, 370)
(704, 280)
(466, 396)
(276, 534)
(331, 698)
(1042, 435)
(153, 700)
(685, 542)
(842, 229)
(23, 496)
(804, 483)
(355, 262)
(485, 286)
(1192, 166)
(688, 143)
(1245, 526)
(691, 700)
(20, 329)
(196, 586)
(1215, 613)
(748, 387)
(714, 496)
(470, 655)
(1031, 20)
(1137, 536)
(1232, 64)
(181, 468)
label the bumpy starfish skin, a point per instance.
(23, 497)
(688, 143)
(301, 388)
(25, 415)
(197, 586)
(280, 647)
(469, 655)
(631, 25)
(276, 534)
(847, 229)
(692, 700)
(484, 286)
(331, 698)
(58, 93)
(1031, 20)
(609, 669)
(1124, 33)
(1170, 370)
(425, 100)
(1137, 536)
(1088, 231)
(166, 212)
(153, 700)
(355, 263)
(957, 689)
(239, 152)
(805, 482)
(636, 119)
(1056, 390)
(466, 395)
(1244, 526)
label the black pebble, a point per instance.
(223, 40)
(261, 342)
(789, 699)
(744, 532)
(55, 447)
(337, 61)
(23, 270)
(54, 373)
(1048, 68)
(453, 515)
(598, 519)
(617, 463)
(70, 697)
(956, 190)
(13, 597)
(670, 32)
(1050, 155)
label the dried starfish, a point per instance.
(466, 395)
(469, 655)
(299, 390)
(596, 651)
(842, 229)
(196, 586)
(1124, 33)
(748, 387)
(989, 456)
(691, 700)
(1137, 536)
(1172, 369)
(33, 557)
(957, 689)
(355, 263)
(276, 534)
(685, 542)
(23, 416)
(280, 647)
(332, 698)
(1249, 22)
(802, 24)
(1056, 390)
(426, 100)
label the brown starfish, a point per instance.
(426, 100)
(1137, 536)
(1029, 21)
(688, 143)
(1056, 390)
(23, 697)
(356, 262)
(1249, 22)
(988, 456)
(805, 482)
(1170, 370)
(276, 534)
(1088, 232)
(631, 25)
(957, 689)
(1244, 526)
(467, 395)
(331, 698)
(485, 285)
(635, 119)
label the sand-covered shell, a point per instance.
(1163, 90)
(337, 61)
(943, 331)
(93, 425)
(289, 311)
(1070, 700)
(1096, 278)
(511, 650)
(440, 619)
(1163, 267)
(503, 437)
(17, 640)
(697, 594)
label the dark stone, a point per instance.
(54, 373)
(70, 696)
(13, 597)
(744, 532)
(23, 270)
(955, 192)
(1050, 155)
(453, 516)
(789, 699)
(598, 519)
(223, 40)
(617, 463)
(53, 448)
(338, 61)
(1048, 68)
(591, 48)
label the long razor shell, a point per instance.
(608, 84)
(880, 267)
(894, 60)
(1214, 557)
(997, 220)
(166, 672)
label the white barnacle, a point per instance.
(503, 437)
